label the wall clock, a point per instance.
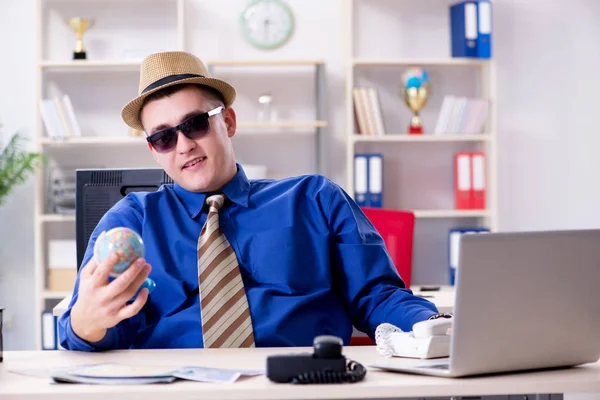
(267, 24)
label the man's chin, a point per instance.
(195, 187)
(203, 186)
(193, 184)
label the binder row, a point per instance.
(59, 117)
(469, 180)
(50, 332)
(471, 29)
(368, 179)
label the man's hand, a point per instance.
(101, 305)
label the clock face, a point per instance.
(267, 24)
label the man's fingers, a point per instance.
(94, 259)
(104, 269)
(89, 268)
(123, 281)
(132, 309)
(134, 286)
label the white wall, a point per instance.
(548, 113)
(546, 118)
(17, 113)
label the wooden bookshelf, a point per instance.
(420, 168)
(451, 213)
(84, 65)
(281, 124)
(426, 138)
(396, 62)
(56, 75)
(49, 295)
(56, 218)
(265, 63)
(93, 140)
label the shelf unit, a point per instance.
(112, 68)
(426, 157)
(397, 137)
(283, 127)
(425, 62)
(55, 68)
(88, 65)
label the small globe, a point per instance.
(125, 242)
(415, 77)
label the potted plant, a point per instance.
(16, 164)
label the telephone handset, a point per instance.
(433, 327)
(428, 339)
(325, 365)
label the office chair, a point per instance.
(396, 227)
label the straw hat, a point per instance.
(161, 70)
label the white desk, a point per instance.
(443, 299)
(377, 384)
(61, 307)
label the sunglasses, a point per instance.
(193, 128)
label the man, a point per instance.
(262, 263)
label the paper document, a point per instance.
(125, 374)
(204, 374)
(122, 371)
(66, 378)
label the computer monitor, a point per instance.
(97, 190)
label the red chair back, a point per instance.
(397, 230)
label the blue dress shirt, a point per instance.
(311, 262)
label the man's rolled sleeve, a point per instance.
(123, 214)
(374, 291)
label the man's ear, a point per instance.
(230, 121)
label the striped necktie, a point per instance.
(226, 320)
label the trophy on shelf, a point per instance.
(415, 91)
(80, 26)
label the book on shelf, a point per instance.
(459, 114)
(59, 117)
(367, 111)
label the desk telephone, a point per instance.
(325, 365)
(428, 339)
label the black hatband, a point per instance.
(168, 79)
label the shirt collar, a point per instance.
(237, 190)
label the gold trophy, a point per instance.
(415, 92)
(79, 26)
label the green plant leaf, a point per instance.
(16, 164)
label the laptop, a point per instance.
(524, 301)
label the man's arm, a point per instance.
(365, 273)
(121, 335)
